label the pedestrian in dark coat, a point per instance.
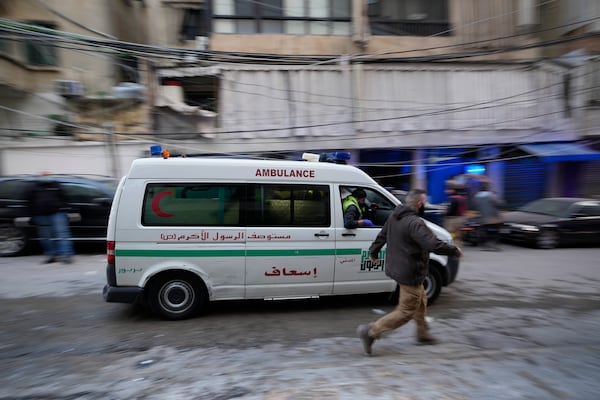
(409, 242)
(48, 206)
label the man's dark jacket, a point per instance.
(409, 242)
(47, 198)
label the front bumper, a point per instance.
(515, 235)
(452, 266)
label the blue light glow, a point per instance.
(476, 169)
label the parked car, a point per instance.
(551, 222)
(89, 200)
(433, 212)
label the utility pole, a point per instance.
(111, 149)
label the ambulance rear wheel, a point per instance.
(177, 296)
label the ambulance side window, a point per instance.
(190, 204)
(377, 206)
(288, 205)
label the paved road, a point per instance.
(518, 324)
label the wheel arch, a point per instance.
(22, 237)
(191, 294)
(165, 269)
(439, 263)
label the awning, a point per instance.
(561, 151)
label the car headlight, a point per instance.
(527, 228)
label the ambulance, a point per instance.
(184, 232)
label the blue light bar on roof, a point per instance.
(155, 150)
(335, 157)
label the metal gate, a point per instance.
(524, 181)
(590, 179)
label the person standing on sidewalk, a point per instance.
(409, 242)
(488, 204)
(48, 207)
(454, 217)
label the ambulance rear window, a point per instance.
(282, 205)
(188, 204)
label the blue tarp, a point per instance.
(561, 151)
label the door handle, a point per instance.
(348, 234)
(321, 234)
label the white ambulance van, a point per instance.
(186, 231)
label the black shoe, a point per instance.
(50, 260)
(363, 333)
(427, 340)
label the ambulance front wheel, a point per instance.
(177, 295)
(432, 286)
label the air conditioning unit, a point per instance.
(68, 88)
(201, 43)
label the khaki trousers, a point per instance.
(411, 305)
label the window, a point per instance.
(199, 91)
(590, 210)
(81, 193)
(195, 23)
(408, 17)
(297, 17)
(41, 51)
(377, 206)
(188, 204)
(4, 45)
(289, 205)
(15, 189)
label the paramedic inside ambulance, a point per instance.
(354, 209)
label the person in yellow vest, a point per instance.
(354, 209)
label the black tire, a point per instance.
(547, 239)
(433, 284)
(13, 241)
(177, 296)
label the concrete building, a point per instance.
(417, 91)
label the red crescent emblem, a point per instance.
(156, 205)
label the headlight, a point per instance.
(527, 228)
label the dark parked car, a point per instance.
(433, 212)
(553, 222)
(89, 201)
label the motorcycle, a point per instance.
(472, 232)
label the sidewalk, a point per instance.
(28, 276)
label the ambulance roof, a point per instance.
(236, 170)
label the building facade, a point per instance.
(417, 91)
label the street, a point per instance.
(517, 324)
